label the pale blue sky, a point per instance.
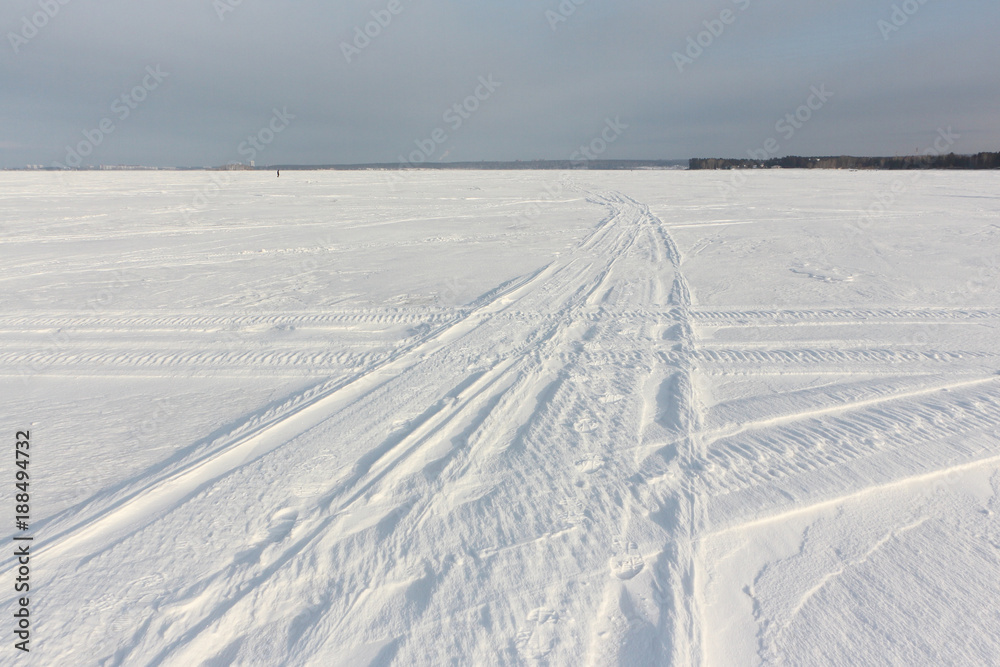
(557, 87)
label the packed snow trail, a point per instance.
(583, 465)
(493, 471)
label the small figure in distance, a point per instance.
(279, 173)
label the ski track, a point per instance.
(579, 381)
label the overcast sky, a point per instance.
(559, 75)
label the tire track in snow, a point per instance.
(374, 470)
(956, 424)
(486, 431)
(915, 480)
(864, 316)
(737, 428)
(574, 281)
(687, 633)
(148, 498)
(586, 385)
(674, 625)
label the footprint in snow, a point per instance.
(828, 274)
(280, 527)
(628, 562)
(590, 464)
(538, 638)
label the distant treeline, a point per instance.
(563, 165)
(516, 165)
(950, 161)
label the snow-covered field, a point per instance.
(479, 418)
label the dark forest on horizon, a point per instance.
(949, 161)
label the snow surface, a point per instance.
(506, 418)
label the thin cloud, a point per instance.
(561, 80)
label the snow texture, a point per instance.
(506, 418)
